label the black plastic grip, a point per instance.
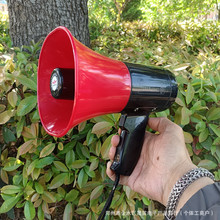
(131, 141)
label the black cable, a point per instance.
(109, 200)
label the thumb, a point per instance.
(160, 124)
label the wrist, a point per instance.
(182, 187)
(173, 178)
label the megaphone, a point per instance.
(76, 84)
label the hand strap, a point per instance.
(181, 186)
(110, 197)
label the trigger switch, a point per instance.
(114, 166)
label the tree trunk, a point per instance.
(34, 19)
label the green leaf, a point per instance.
(47, 150)
(44, 162)
(19, 127)
(40, 213)
(78, 164)
(70, 158)
(185, 116)
(35, 117)
(9, 204)
(12, 164)
(218, 151)
(83, 199)
(27, 82)
(203, 135)
(163, 113)
(72, 195)
(189, 93)
(98, 147)
(21, 58)
(146, 201)
(200, 126)
(61, 192)
(35, 197)
(104, 118)
(60, 166)
(2, 108)
(85, 151)
(5, 116)
(215, 128)
(81, 126)
(196, 69)
(48, 197)
(29, 210)
(8, 135)
(32, 166)
(39, 188)
(58, 180)
(105, 147)
(188, 137)
(11, 189)
(82, 211)
(198, 106)
(213, 96)
(101, 127)
(89, 172)
(69, 179)
(68, 212)
(207, 144)
(213, 114)
(26, 105)
(25, 147)
(60, 146)
(96, 192)
(28, 189)
(94, 164)
(207, 164)
(36, 173)
(12, 98)
(4, 176)
(48, 175)
(82, 178)
(89, 137)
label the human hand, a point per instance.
(163, 160)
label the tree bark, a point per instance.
(34, 19)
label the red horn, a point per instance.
(76, 83)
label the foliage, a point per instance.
(176, 10)
(101, 13)
(131, 11)
(5, 42)
(47, 176)
(192, 36)
(110, 13)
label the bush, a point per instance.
(54, 177)
(132, 11)
(5, 42)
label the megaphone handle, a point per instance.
(130, 145)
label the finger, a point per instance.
(115, 140)
(119, 131)
(109, 172)
(112, 175)
(111, 153)
(160, 124)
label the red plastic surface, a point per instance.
(101, 85)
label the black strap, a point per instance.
(109, 200)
